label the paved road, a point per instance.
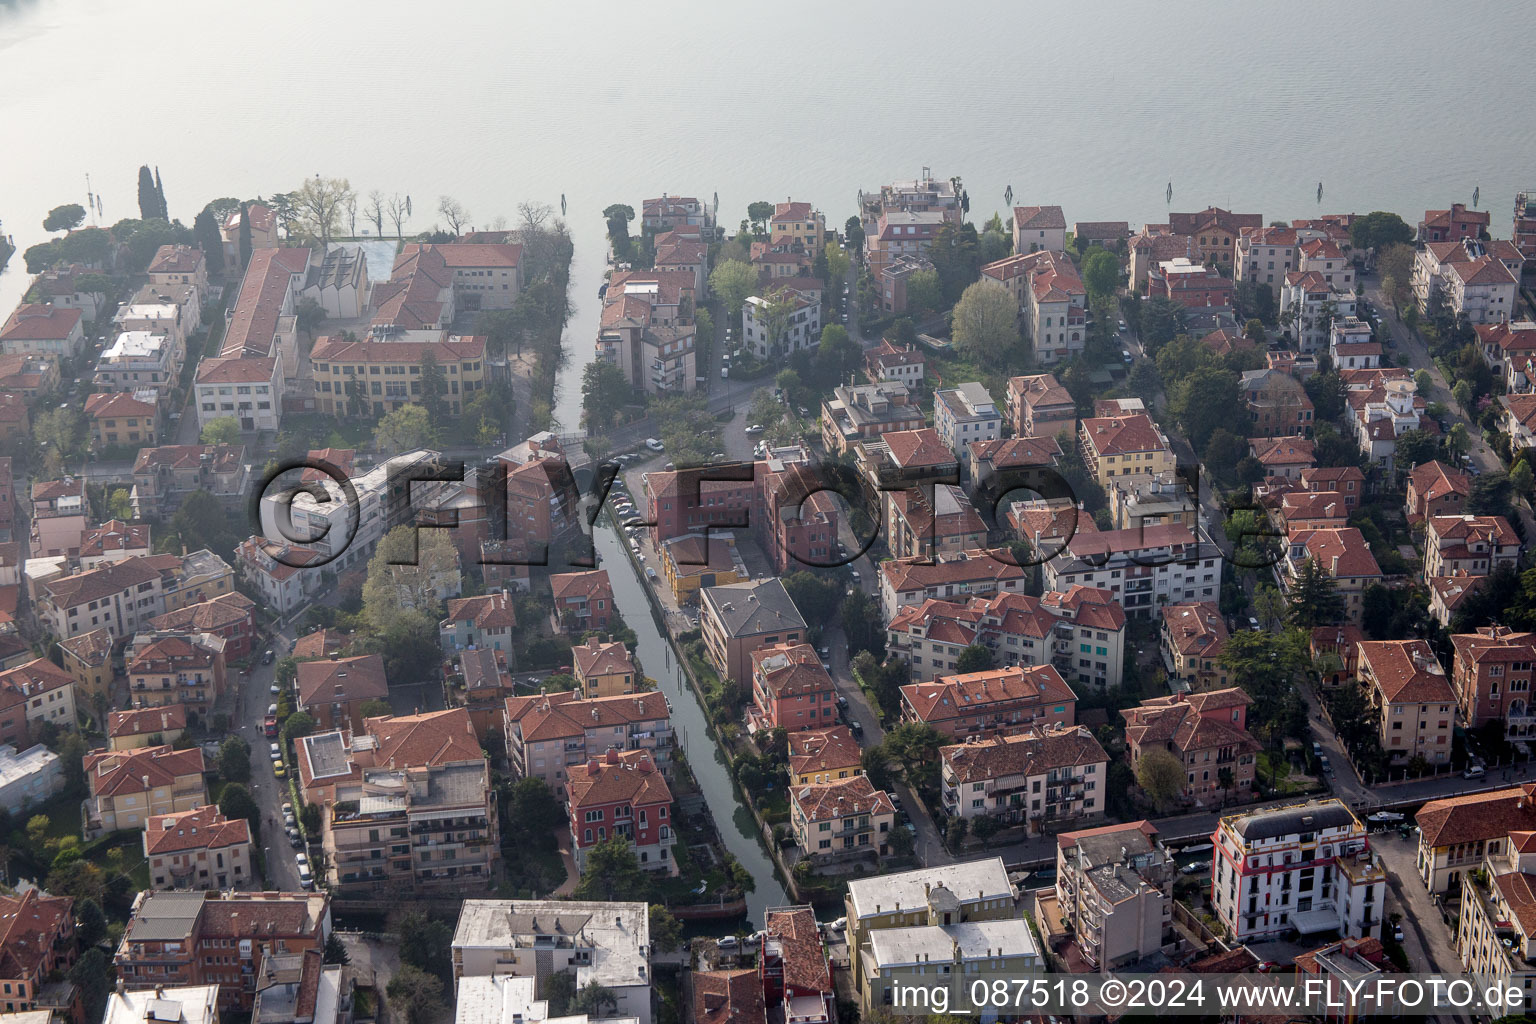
(253, 696)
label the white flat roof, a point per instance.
(974, 940)
(969, 880)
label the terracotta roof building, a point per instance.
(1413, 697)
(604, 669)
(997, 701)
(197, 849)
(827, 754)
(129, 786)
(129, 730)
(1049, 778)
(1493, 671)
(37, 938)
(1455, 833)
(547, 732)
(858, 819)
(621, 795)
(1206, 731)
(334, 691)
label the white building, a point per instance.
(28, 778)
(1143, 567)
(188, 1004)
(340, 283)
(964, 414)
(138, 360)
(1307, 866)
(607, 943)
(801, 328)
(1381, 416)
(248, 389)
(510, 999)
(1310, 304)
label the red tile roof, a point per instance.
(1119, 435)
(118, 772)
(34, 321)
(342, 679)
(1405, 671)
(829, 800)
(202, 828)
(147, 721)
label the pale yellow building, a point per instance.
(604, 669)
(88, 660)
(1115, 446)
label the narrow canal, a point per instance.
(735, 823)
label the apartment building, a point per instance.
(979, 572)
(1143, 568)
(197, 849)
(1457, 832)
(1189, 283)
(1496, 927)
(621, 794)
(35, 328)
(1475, 545)
(888, 361)
(1307, 867)
(122, 418)
(1265, 256)
(1341, 553)
(862, 411)
(604, 669)
(1454, 224)
(1081, 632)
(120, 597)
(1492, 676)
(1123, 445)
(163, 477)
(836, 820)
(87, 658)
(217, 938)
(378, 377)
(602, 943)
(168, 668)
(128, 787)
(1277, 404)
(1039, 227)
(827, 754)
(548, 734)
(1192, 637)
(995, 702)
(1045, 778)
(1038, 406)
(1435, 490)
(334, 690)
(1413, 697)
(1207, 732)
(37, 941)
(1312, 305)
(486, 620)
(964, 414)
(1114, 892)
(1151, 499)
(738, 618)
(791, 689)
(1478, 280)
(146, 727)
(1217, 232)
(1052, 301)
(801, 223)
(485, 276)
(901, 231)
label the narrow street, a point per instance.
(251, 701)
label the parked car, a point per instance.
(277, 752)
(295, 840)
(855, 728)
(842, 701)
(725, 372)
(1317, 749)
(756, 428)
(266, 658)
(1122, 326)
(306, 880)
(1327, 765)
(275, 689)
(654, 444)
(1474, 771)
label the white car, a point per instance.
(756, 428)
(725, 372)
(654, 444)
(277, 752)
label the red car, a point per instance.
(270, 726)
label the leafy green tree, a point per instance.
(201, 522)
(434, 386)
(1315, 599)
(975, 658)
(234, 760)
(1490, 495)
(1268, 605)
(425, 943)
(862, 625)
(816, 596)
(666, 930)
(853, 230)
(1423, 383)
(415, 995)
(1101, 273)
(64, 218)
(1223, 451)
(560, 992)
(375, 708)
(92, 974)
(837, 355)
(319, 204)
(733, 281)
(1416, 447)
(296, 726)
(1203, 402)
(604, 391)
(405, 429)
(618, 217)
(79, 879)
(1161, 776)
(1378, 229)
(1521, 479)
(596, 1000)
(223, 430)
(532, 808)
(62, 429)
(1159, 321)
(923, 291)
(613, 872)
(407, 573)
(1394, 263)
(90, 923)
(1328, 394)
(760, 213)
(837, 262)
(985, 323)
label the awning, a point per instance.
(1309, 922)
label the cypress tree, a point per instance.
(245, 235)
(165, 211)
(205, 228)
(149, 198)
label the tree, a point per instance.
(454, 213)
(398, 208)
(1160, 321)
(63, 429)
(296, 726)
(407, 573)
(853, 231)
(319, 203)
(975, 658)
(1315, 599)
(613, 872)
(1378, 229)
(666, 930)
(532, 808)
(246, 244)
(205, 228)
(733, 281)
(1101, 273)
(223, 430)
(64, 218)
(1395, 265)
(425, 943)
(234, 760)
(778, 306)
(1416, 447)
(336, 950)
(837, 355)
(1423, 384)
(1268, 605)
(816, 596)
(596, 1000)
(862, 625)
(151, 201)
(434, 385)
(90, 923)
(310, 315)
(1490, 495)
(923, 291)
(375, 708)
(1223, 451)
(405, 429)
(1328, 394)
(759, 213)
(201, 522)
(415, 995)
(77, 878)
(1204, 401)
(1521, 479)
(985, 323)
(560, 992)
(1161, 776)
(604, 391)
(374, 211)
(236, 802)
(165, 213)
(92, 974)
